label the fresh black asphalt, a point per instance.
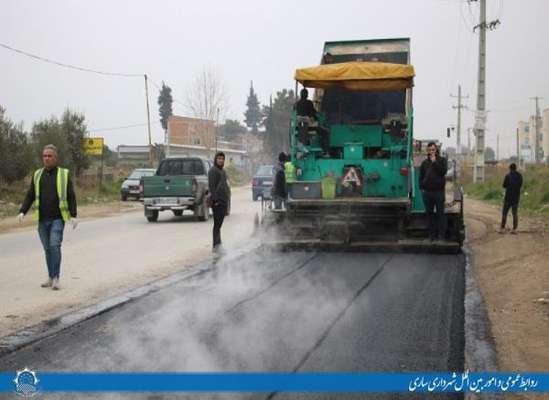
(271, 311)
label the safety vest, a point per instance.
(289, 172)
(62, 183)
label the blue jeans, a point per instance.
(51, 236)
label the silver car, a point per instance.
(130, 186)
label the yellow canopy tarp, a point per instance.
(358, 75)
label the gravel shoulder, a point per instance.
(513, 275)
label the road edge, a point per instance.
(47, 328)
(480, 348)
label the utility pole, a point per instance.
(480, 123)
(497, 147)
(148, 121)
(216, 127)
(469, 142)
(458, 126)
(518, 148)
(537, 139)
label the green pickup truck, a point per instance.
(179, 184)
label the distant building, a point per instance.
(527, 138)
(133, 153)
(545, 134)
(525, 142)
(191, 131)
(192, 137)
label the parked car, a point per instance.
(130, 186)
(262, 182)
(179, 184)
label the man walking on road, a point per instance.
(219, 196)
(512, 184)
(432, 182)
(52, 193)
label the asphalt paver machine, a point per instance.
(362, 193)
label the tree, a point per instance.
(67, 135)
(276, 120)
(16, 155)
(489, 154)
(165, 102)
(110, 158)
(207, 98)
(48, 131)
(253, 113)
(159, 151)
(74, 129)
(231, 129)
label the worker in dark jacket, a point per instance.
(279, 191)
(512, 184)
(219, 196)
(432, 182)
(52, 193)
(305, 108)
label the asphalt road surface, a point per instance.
(269, 311)
(106, 256)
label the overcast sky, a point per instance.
(264, 42)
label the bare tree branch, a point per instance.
(207, 96)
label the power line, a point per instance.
(47, 60)
(157, 86)
(115, 128)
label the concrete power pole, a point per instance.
(148, 121)
(458, 126)
(497, 147)
(468, 142)
(537, 139)
(518, 148)
(480, 123)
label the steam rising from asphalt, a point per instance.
(233, 319)
(239, 317)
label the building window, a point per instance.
(196, 141)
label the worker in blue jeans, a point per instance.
(52, 193)
(432, 182)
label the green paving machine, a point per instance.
(362, 192)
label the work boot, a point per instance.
(47, 283)
(514, 232)
(55, 284)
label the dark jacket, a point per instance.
(512, 184)
(432, 174)
(49, 200)
(279, 181)
(305, 108)
(217, 182)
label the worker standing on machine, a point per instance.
(432, 182)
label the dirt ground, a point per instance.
(513, 275)
(88, 211)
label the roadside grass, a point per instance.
(534, 199)
(11, 196)
(87, 187)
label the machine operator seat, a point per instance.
(306, 127)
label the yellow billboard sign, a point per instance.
(93, 146)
